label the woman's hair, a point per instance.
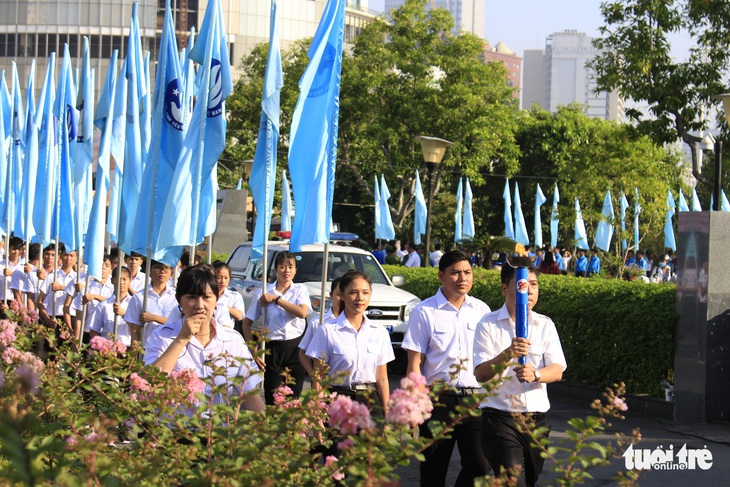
(283, 256)
(194, 280)
(221, 265)
(350, 276)
(123, 270)
(549, 258)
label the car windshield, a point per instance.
(309, 266)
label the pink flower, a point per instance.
(71, 442)
(338, 475)
(349, 416)
(10, 355)
(345, 444)
(107, 347)
(620, 404)
(330, 461)
(120, 348)
(65, 335)
(281, 393)
(411, 405)
(7, 332)
(138, 383)
(13, 355)
(91, 437)
(191, 382)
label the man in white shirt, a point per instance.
(436, 255)
(160, 303)
(9, 266)
(414, 260)
(52, 298)
(440, 337)
(520, 397)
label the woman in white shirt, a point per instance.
(355, 349)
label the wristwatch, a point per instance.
(537, 376)
(276, 301)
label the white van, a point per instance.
(389, 306)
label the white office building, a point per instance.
(559, 75)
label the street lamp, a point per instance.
(247, 167)
(717, 187)
(433, 150)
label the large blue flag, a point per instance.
(94, 242)
(314, 128)
(189, 87)
(459, 203)
(116, 109)
(669, 240)
(145, 118)
(286, 204)
(467, 228)
(554, 218)
(187, 222)
(376, 194)
(83, 157)
(420, 211)
(44, 208)
(509, 229)
(623, 205)
(604, 233)
(24, 227)
(520, 227)
(724, 203)
(540, 200)
(579, 229)
(167, 142)
(134, 154)
(4, 106)
(5, 145)
(682, 202)
(16, 157)
(386, 232)
(263, 171)
(637, 212)
(65, 112)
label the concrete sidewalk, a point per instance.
(715, 438)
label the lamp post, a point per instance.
(433, 150)
(717, 187)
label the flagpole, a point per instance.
(264, 283)
(323, 288)
(117, 288)
(83, 312)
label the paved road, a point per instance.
(655, 434)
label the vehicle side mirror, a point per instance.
(398, 280)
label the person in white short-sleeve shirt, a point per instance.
(521, 393)
(229, 298)
(101, 318)
(189, 343)
(52, 296)
(160, 303)
(356, 350)
(329, 317)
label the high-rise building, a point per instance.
(559, 75)
(512, 63)
(33, 29)
(468, 14)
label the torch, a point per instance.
(521, 262)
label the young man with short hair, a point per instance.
(52, 299)
(134, 264)
(520, 397)
(440, 337)
(160, 303)
(9, 266)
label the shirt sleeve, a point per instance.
(131, 316)
(16, 280)
(254, 309)
(238, 302)
(302, 296)
(387, 354)
(484, 346)
(156, 345)
(417, 335)
(553, 351)
(96, 318)
(319, 348)
(309, 334)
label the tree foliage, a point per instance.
(637, 61)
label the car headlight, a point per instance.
(409, 307)
(317, 302)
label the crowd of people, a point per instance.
(189, 314)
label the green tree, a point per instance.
(638, 63)
(586, 157)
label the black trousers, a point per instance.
(466, 435)
(282, 355)
(508, 446)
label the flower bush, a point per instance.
(93, 415)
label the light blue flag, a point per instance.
(65, 112)
(467, 229)
(623, 205)
(165, 150)
(604, 232)
(83, 157)
(16, 157)
(724, 203)
(314, 128)
(459, 203)
(263, 171)
(187, 222)
(4, 156)
(134, 155)
(637, 212)
(540, 200)
(696, 205)
(239, 184)
(420, 213)
(189, 88)
(286, 204)
(145, 118)
(520, 227)
(5, 102)
(378, 222)
(669, 241)
(509, 229)
(43, 210)
(94, 241)
(24, 227)
(554, 218)
(386, 231)
(682, 202)
(579, 230)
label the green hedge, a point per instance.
(611, 330)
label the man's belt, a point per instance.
(361, 387)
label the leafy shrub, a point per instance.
(611, 330)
